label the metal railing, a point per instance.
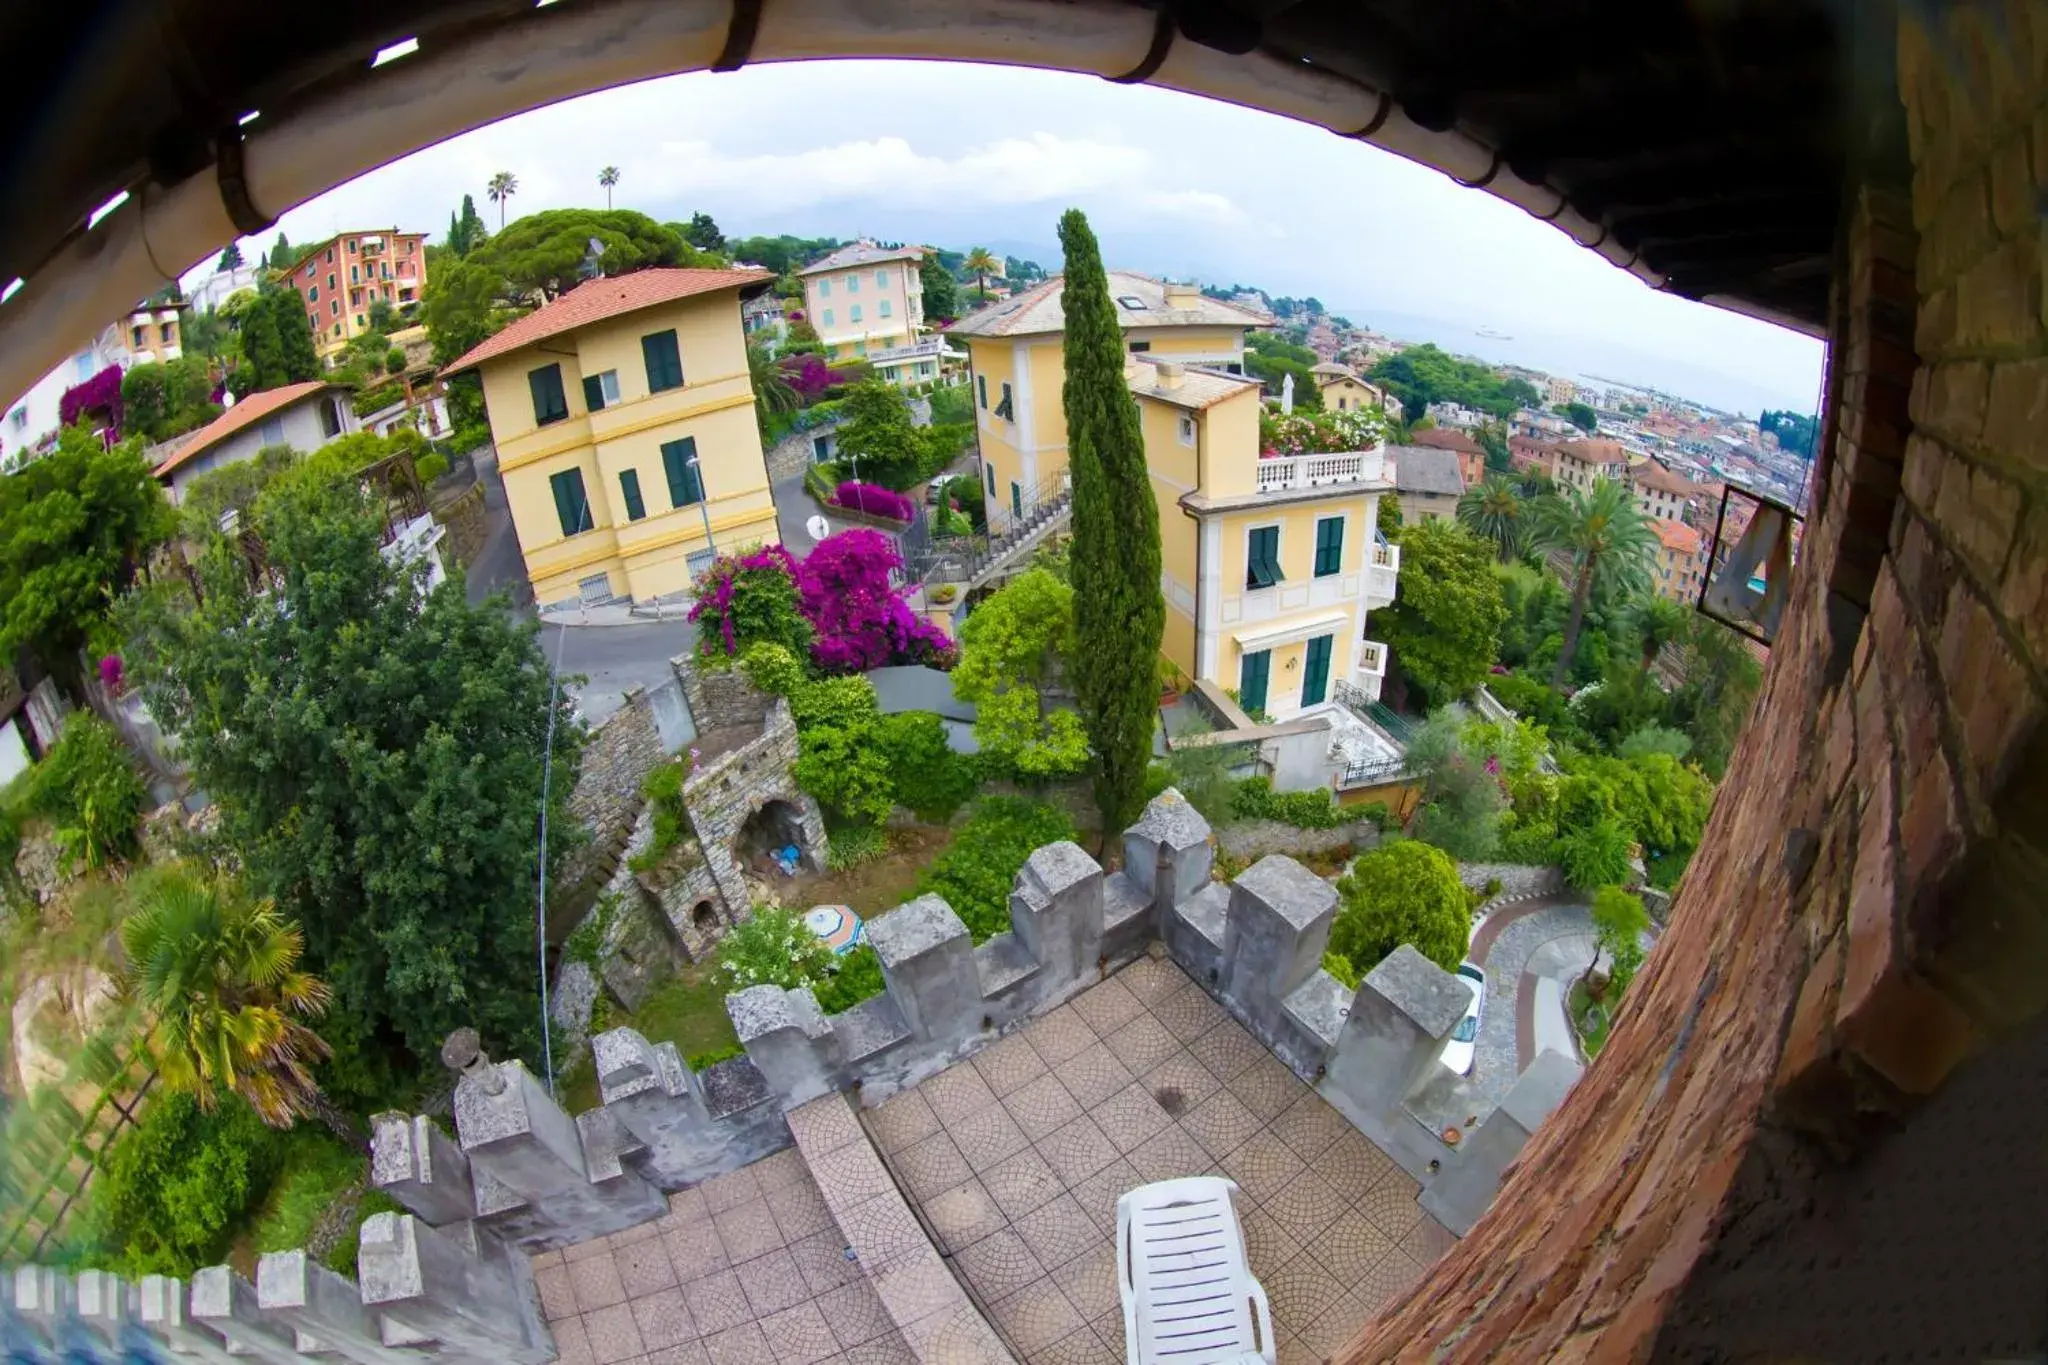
(971, 558)
(1370, 771)
(926, 346)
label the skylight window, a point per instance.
(1132, 302)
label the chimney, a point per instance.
(1181, 295)
(1169, 374)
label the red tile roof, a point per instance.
(1677, 536)
(254, 408)
(596, 300)
(1447, 438)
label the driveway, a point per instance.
(1521, 943)
(614, 658)
(793, 507)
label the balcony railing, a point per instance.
(919, 349)
(1320, 471)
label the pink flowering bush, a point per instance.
(101, 393)
(861, 618)
(809, 375)
(747, 599)
(873, 499)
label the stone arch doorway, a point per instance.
(775, 825)
(704, 917)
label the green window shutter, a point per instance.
(1315, 680)
(684, 487)
(981, 388)
(1253, 671)
(593, 393)
(550, 404)
(664, 361)
(1262, 566)
(1329, 546)
(629, 485)
(572, 506)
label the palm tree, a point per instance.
(981, 264)
(1493, 511)
(1606, 537)
(1659, 621)
(218, 974)
(608, 177)
(773, 393)
(499, 191)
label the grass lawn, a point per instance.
(688, 1010)
(1591, 1018)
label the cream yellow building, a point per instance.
(624, 422)
(1270, 568)
(1018, 371)
(867, 303)
(1344, 391)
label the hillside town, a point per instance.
(778, 577)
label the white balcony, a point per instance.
(923, 348)
(1382, 571)
(1321, 471)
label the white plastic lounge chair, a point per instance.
(1189, 1295)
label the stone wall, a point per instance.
(1516, 879)
(1250, 840)
(789, 457)
(720, 698)
(621, 751)
(730, 788)
(1794, 1106)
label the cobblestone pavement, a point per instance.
(1497, 1061)
(1016, 1158)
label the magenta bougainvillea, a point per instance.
(873, 499)
(98, 397)
(861, 618)
(112, 676)
(809, 375)
(839, 607)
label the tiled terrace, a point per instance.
(1016, 1158)
(746, 1269)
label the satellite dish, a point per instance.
(818, 527)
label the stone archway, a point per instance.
(704, 918)
(774, 825)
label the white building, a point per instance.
(35, 414)
(1457, 415)
(303, 416)
(222, 285)
(1557, 389)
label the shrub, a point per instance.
(1339, 966)
(712, 1056)
(875, 500)
(1375, 811)
(853, 845)
(846, 772)
(1620, 919)
(773, 669)
(173, 1189)
(394, 360)
(1255, 799)
(376, 399)
(845, 703)
(1594, 854)
(317, 1172)
(861, 618)
(944, 593)
(431, 467)
(975, 875)
(1402, 893)
(745, 599)
(773, 948)
(927, 775)
(663, 788)
(858, 977)
(87, 787)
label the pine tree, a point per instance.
(281, 254)
(230, 258)
(1119, 615)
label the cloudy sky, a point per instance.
(960, 156)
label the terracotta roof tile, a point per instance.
(254, 408)
(1037, 309)
(1676, 535)
(1447, 438)
(596, 300)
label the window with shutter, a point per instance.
(550, 404)
(678, 461)
(664, 361)
(572, 505)
(1329, 545)
(1262, 559)
(1252, 675)
(629, 487)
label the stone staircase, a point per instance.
(931, 1311)
(975, 566)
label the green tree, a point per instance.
(1658, 622)
(774, 396)
(1494, 511)
(1462, 800)
(173, 1189)
(230, 258)
(1721, 680)
(1421, 375)
(877, 438)
(88, 789)
(376, 751)
(941, 290)
(466, 230)
(1387, 521)
(847, 771)
(1014, 649)
(1594, 854)
(217, 973)
(1619, 920)
(926, 774)
(545, 254)
(703, 233)
(981, 263)
(1493, 439)
(164, 399)
(1444, 626)
(1605, 536)
(282, 257)
(76, 528)
(499, 190)
(1404, 892)
(1121, 616)
(277, 341)
(1580, 416)
(608, 178)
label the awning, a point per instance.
(1287, 633)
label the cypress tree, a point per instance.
(1119, 615)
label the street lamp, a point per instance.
(704, 503)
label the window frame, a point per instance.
(1252, 559)
(1337, 550)
(882, 309)
(1187, 430)
(1244, 672)
(629, 494)
(881, 278)
(559, 484)
(649, 344)
(606, 394)
(534, 382)
(853, 313)
(676, 464)
(981, 389)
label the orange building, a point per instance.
(343, 276)
(1679, 560)
(1471, 455)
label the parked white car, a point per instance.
(1458, 1051)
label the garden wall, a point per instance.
(1517, 880)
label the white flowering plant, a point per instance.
(773, 948)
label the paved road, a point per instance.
(1498, 1054)
(793, 507)
(614, 658)
(498, 565)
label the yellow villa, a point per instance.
(867, 303)
(1344, 391)
(1270, 567)
(1018, 367)
(624, 421)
